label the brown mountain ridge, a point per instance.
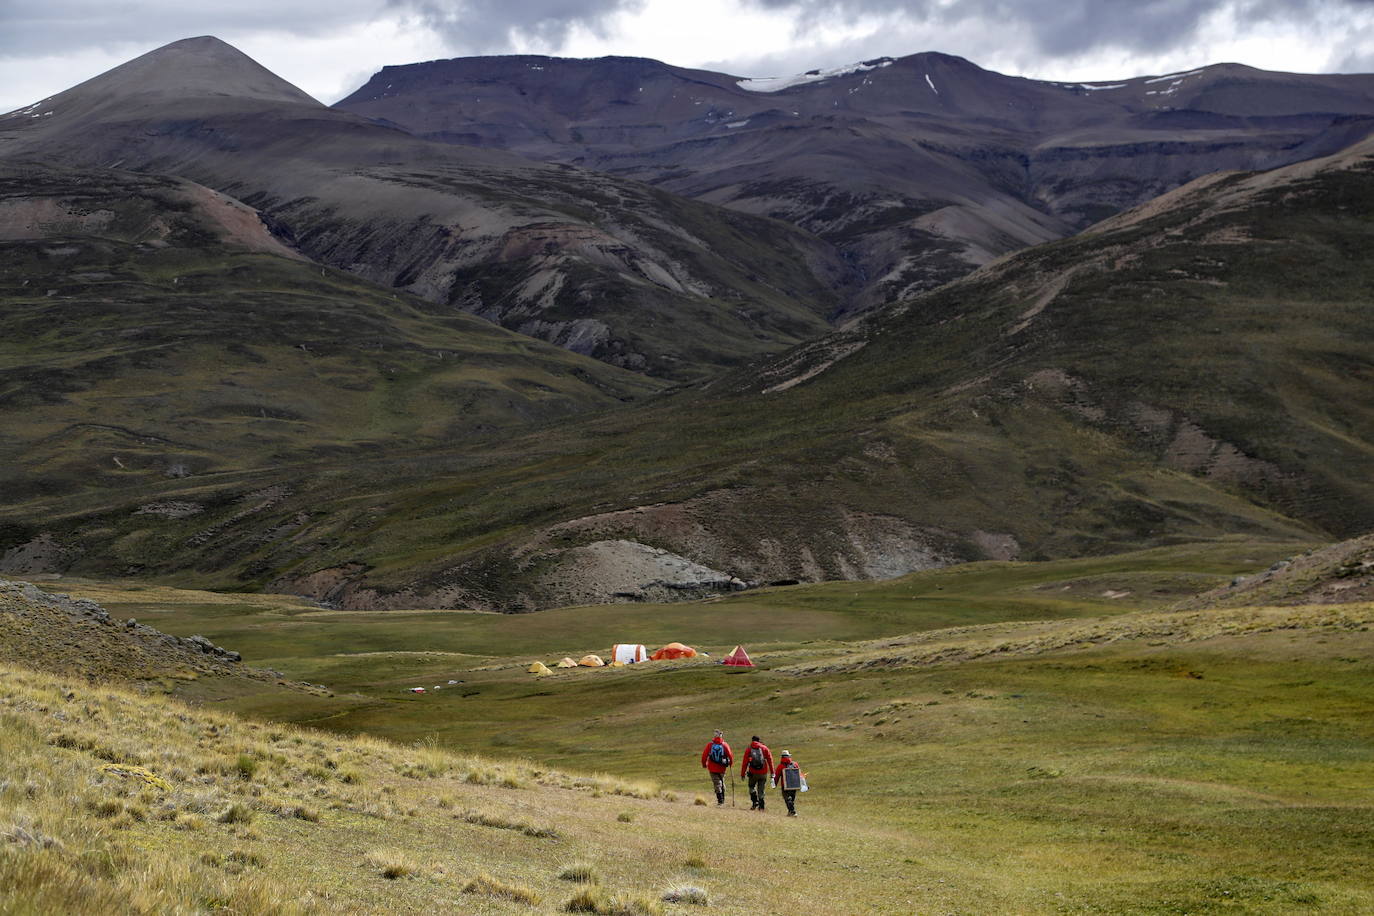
(603, 266)
(918, 168)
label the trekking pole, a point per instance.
(732, 791)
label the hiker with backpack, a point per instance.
(789, 774)
(717, 758)
(758, 767)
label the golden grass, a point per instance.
(488, 886)
(1024, 795)
(392, 863)
(580, 872)
(593, 899)
(179, 824)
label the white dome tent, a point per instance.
(629, 653)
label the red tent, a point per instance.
(739, 658)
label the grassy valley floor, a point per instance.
(994, 738)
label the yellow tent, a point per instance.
(617, 664)
(592, 661)
(539, 668)
(566, 663)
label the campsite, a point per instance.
(625, 654)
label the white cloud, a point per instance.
(329, 67)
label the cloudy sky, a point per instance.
(330, 47)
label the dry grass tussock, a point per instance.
(116, 801)
(580, 872)
(488, 886)
(1005, 640)
(392, 863)
(594, 899)
(687, 893)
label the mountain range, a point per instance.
(602, 266)
(861, 322)
(916, 168)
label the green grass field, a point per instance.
(985, 739)
(369, 651)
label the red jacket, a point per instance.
(716, 767)
(784, 764)
(744, 768)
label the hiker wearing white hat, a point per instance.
(789, 778)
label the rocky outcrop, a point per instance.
(1342, 573)
(619, 570)
(26, 599)
(40, 555)
(76, 636)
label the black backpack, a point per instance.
(756, 761)
(717, 754)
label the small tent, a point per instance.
(539, 669)
(566, 663)
(592, 661)
(738, 658)
(616, 664)
(417, 690)
(629, 653)
(674, 650)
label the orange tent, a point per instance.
(738, 658)
(674, 650)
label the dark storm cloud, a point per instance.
(31, 28)
(1061, 28)
(485, 26)
(34, 28)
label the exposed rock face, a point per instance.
(737, 531)
(608, 571)
(40, 555)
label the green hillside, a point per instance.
(168, 340)
(1197, 369)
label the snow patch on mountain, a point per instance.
(1173, 76)
(779, 83)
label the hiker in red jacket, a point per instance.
(789, 796)
(717, 758)
(758, 766)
